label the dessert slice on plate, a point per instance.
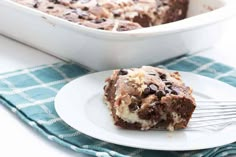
(148, 97)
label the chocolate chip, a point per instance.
(73, 1)
(160, 94)
(174, 92)
(168, 83)
(123, 72)
(85, 9)
(167, 90)
(146, 91)
(152, 74)
(101, 28)
(150, 89)
(97, 21)
(163, 76)
(50, 7)
(134, 106)
(81, 17)
(36, 5)
(116, 14)
(55, 1)
(153, 88)
(81, 14)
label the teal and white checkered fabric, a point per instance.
(29, 94)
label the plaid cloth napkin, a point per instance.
(29, 94)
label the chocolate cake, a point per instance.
(114, 15)
(148, 97)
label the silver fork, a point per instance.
(213, 115)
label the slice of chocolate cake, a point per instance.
(148, 97)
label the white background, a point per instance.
(18, 139)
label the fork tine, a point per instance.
(216, 118)
(215, 101)
(213, 114)
(212, 123)
(202, 125)
(214, 111)
(217, 105)
(221, 104)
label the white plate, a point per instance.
(80, 104)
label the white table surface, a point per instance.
(24, 141)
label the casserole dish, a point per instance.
(101, 50)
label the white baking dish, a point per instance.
(99, 50)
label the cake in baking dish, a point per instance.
(113, 15)
(148, 97)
